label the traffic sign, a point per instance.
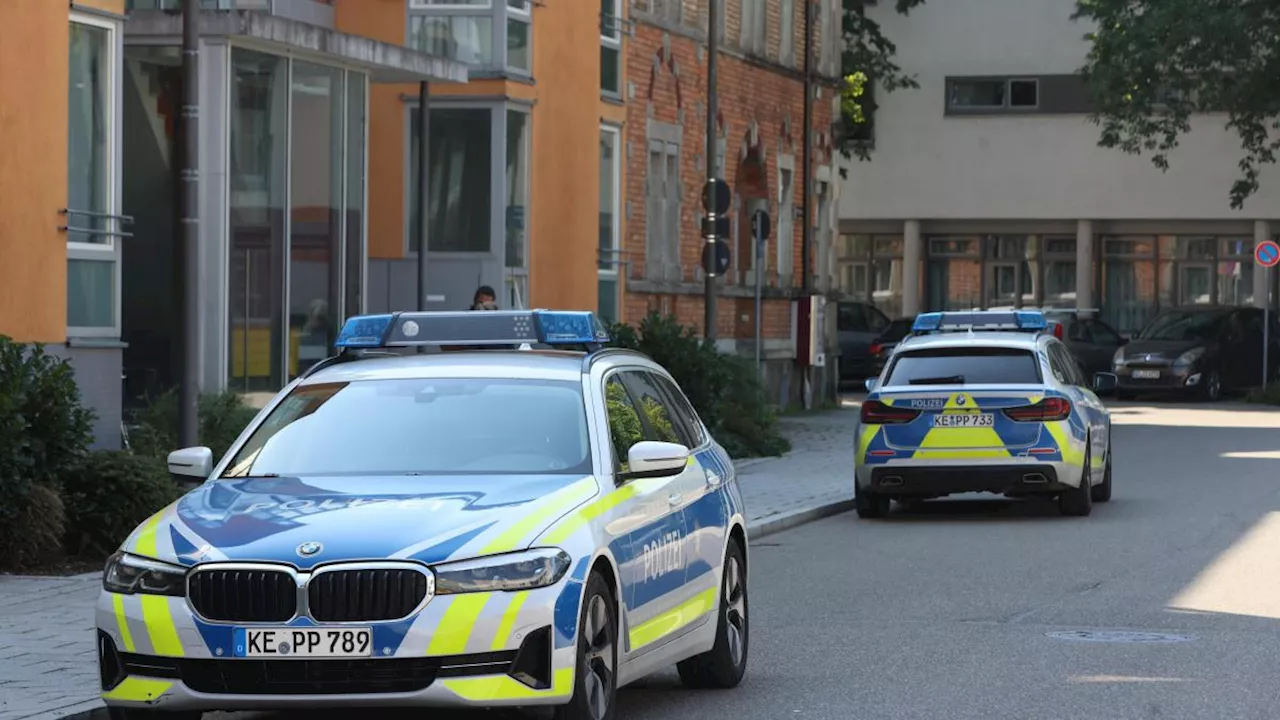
(1267, 253)
(717, 226)
(760, 225)
(720, 259)
(716, 197)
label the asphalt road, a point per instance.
(949, 611)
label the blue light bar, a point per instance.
(1020, 320)
(511, 327)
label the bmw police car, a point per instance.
(983, 402)
(521, 527)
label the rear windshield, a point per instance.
(897, 330)
(965, 366)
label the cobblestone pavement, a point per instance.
(47, 655)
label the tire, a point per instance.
(1102, 493)
(723, 666)
(1078, 502)
(1211, 388)
(869, 505)
(118, 713)
(595, 687)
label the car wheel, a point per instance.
(118, 713)
(1102, 492)
(1078, 502)
(595, 689)
(1211, 388)
(725, 663)
(869, 505)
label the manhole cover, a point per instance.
(1119, 636)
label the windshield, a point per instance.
(965, 366)
(1184, 326)
(422, 426)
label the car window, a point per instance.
(1055, 364)
(657, 417)
(877, 320)
(421, 426)
(1077, 331)
(1253, 325)
(897, 330)
(1184, 325)
(964, 366)
(1065, 364)
(688, 425)
(625, 428)
(1102, 333)
(850, 317)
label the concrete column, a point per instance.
(1261, 275)
(912, 245)
(1084, 264)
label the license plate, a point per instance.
(303, 642)
(965, 420)
(1146, 374)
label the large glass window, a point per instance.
(489, 33)
(1128, 283)
(954, 279)
(965, 366)
(869, 269)
(609, 246)
(422, 427)
(355, 256)
(461, 151)
(517, 204)
(92, 201)
(611, 47)
(1009, 279)
(1058, 260)
(1235, 271)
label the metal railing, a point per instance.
(72, 212)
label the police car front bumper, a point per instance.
(470, 650)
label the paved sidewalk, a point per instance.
(48, 667)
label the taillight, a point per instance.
(1057, 330)
(876, 348)
(875, 412)
(1047, 410)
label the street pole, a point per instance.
(713, 12)
(424, 192)
(189, 214)
(1266, 330)
(806, 232)
(758, 249)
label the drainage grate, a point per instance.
(1119, 636)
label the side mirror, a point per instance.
(871, 384)
(1124, 340)
(649, 459)
(191, 463)
(1104, 383)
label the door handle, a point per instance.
(673, 499)
(713, 479)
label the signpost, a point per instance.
(1267, 254)
(716, 198)
(760, 229)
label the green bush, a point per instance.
(724, 389)
(222, 417)
(111, 493)
(33, 539)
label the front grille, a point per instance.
(365, 595)
(242, 595)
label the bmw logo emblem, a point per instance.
(307, 549)
(960, 400)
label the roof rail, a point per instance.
(608, 352)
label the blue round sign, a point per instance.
(1267, 253)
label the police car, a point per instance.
(983, 402)
(530, 526)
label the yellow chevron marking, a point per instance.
(117, 604)
(138, 689)
(454, 629)
(867, 439)
(503, 687)
(503, 636)
(160, 627)
(569, 525)
(1061, 432)
(556, 504)
(656, 628)
(146, 542)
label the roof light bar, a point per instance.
(1018, 320)
(509, 327)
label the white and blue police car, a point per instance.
(528, 526)
(983, 402)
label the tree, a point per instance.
(1153, 63)
(867, 61)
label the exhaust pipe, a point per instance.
(890, 481)
(1034, 479)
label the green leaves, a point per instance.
(1152, 64)
(868, 57)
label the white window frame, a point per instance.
(754, 31)
(784, 225)
(108, 251)
(787, 30)
(612, 39)
(521, 15)
(614, 260)
(515, 280)
(499, 13)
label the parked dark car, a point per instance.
(857, 326)
(1197, 350)
(1092, 342)
(884, 343)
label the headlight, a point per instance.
(515, 571)
(1189, 357)
(1118, 359)
(130, 574)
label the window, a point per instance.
(517, 209)
(658, 418)
(993, 94)
(785, 225)
(422, 426)
(611, 47)
(1100, 333)
(93, 200)
(753, 33)
(1064, 365)
(609, 260)
(831, 24)
(786, 30)
(688, 424)
(625, 428)
(662, 200)
(488, 33)
(460, 179)
(965, 366)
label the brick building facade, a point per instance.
(760, 139)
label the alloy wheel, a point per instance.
(599, 657)
(735, 613)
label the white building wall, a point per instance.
(928, 166)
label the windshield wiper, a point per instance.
(943, 380)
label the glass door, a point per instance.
(1195, 283)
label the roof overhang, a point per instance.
(385, 62)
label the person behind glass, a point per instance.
(484, 299)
